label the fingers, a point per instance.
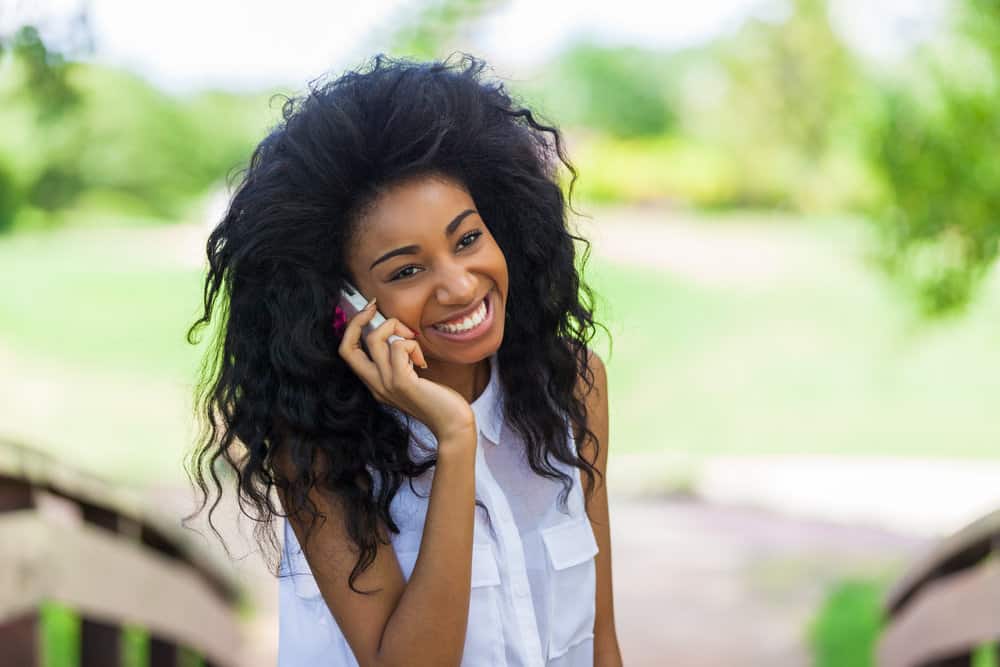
(418, 355)
(400, 351)
(379, 367)
(378, 346)
(351, 351)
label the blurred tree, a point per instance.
(46, 72)
(935, 148)
(621, 91)
(787, 108)
(99, 138)
(45, 95)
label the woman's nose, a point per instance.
(458, 287)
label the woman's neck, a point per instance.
(469, 380)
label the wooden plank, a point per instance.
(19, 639)
(100, 644)
(958, 551)
(100, 516)
(956, 661)
(112, 580)
(24, 462)
(951, 616)
(37, 468)
(15, 494)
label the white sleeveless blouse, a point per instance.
(533, 594)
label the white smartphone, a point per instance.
(353, 302)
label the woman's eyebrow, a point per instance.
(414, 249)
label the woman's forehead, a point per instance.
(411, 209)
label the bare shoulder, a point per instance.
(596, 366)
(598, 374)
(595, 397)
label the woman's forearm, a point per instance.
(429, 623)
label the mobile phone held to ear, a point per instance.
(353, 302)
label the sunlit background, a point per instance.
(793, 208)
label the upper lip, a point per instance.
(462, 313)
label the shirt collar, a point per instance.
(487, 408)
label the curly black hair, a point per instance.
(273, 386)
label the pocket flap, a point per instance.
(484, 566)
(570, 543)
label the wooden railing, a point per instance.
(68, 538)
(947, 606)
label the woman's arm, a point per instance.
(421, 622)
(606, 650)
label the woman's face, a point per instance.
(423, 251)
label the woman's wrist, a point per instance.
(458, 440)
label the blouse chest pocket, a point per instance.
(484, 641)
(571, 548)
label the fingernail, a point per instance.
(370, 303)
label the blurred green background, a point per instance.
(846, 170)
(866, 325)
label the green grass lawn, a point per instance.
(94, 366)
(831, 362)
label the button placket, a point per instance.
(512, 563)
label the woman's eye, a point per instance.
(470, 237)
(401, 274)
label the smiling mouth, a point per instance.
(472, 324)
(470, 321)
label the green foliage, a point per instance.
(846, 628)
(939, 227)
(60, 635)
(10, 197)
(795, 78)
(656, 169)
(93, 136)
(768, 117)
(987, 655)
(135, 646)
(616, 91)
(45, 73)
(791, 99)
(934, 146)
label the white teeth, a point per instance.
(469, 322)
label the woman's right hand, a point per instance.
(390, 376)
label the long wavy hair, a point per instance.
(273, 386)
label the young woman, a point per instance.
(430, 488)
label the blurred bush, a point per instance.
(935, 146)
(847, 625)
(92, 137)
(772, 116)
(618, 92)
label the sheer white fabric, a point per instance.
(532, 601)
